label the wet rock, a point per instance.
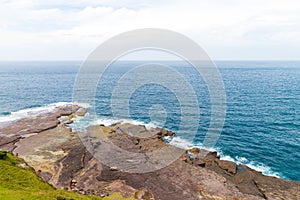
(80, 112)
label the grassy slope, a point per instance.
(22, 183)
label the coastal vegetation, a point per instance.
(19, 181)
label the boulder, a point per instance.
(164, 133)
(81, 112)
(227, 165)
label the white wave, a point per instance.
(263, 169)
(257, 166)
(228, 158)
(179, 142)
(80, 123)
(111, 121)
(83, 105)
(83, 122)
(241, 159)
(32, 112)
(186, 144)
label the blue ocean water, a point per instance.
(262, 126)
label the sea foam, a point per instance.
(82, 122)
(186, 144)
(32, 112)
(257, 166)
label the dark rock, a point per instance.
(164, 132)
(199, 162)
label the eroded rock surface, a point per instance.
(59, 157)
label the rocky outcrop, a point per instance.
(248, 181)
(25, 127)
(59, 157)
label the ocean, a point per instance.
(262, 125)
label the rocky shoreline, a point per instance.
(48, 144)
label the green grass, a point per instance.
(22, 183)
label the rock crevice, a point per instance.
(59, 157)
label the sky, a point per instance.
(227, 30)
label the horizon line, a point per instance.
(139, 60)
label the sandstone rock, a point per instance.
(194, 150)
(120, 187)
(144, 194)
(199, 162)
(61, 159)
(13, 132)
(164, 132)
(227, 165)
(80, 112)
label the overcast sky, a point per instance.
(226, 29)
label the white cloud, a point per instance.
(38, 30)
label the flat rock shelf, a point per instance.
(56, 153)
